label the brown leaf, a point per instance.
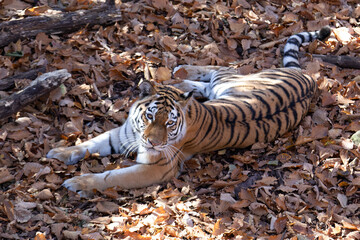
(219, 228)
(319, 132)
(328, 99)
(80, 89)
(160, 4)
(349, 225)
(161, 215)
(22, 215)
(181, 73)
(19, 135)
(356, 181)
(45, 195)
(136, 236)
(31, 168)
(300, 228)
(266, 181)
(163, 74)
(107, 207)
(280, 224)
(342, 200)
(111, 193)
(54, 178)
(169, 43)
(168, 193)
(280, 202)
(73, 235)
(5, 175)
(258, 209)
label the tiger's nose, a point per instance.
(154, 142)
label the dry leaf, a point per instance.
(5, 175)
(163, 74)
(219, 228)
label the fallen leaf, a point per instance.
(45, 195)
(5, 175)
(163, 74)
(219, 228)
(342, 200)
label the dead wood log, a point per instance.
(11, 31)
(340, 61)
(40, 86)
(9, 82)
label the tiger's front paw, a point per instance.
(84, 184)
(69, 155)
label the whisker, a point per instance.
(176, 150)
(130, 148)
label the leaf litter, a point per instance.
(304, 185)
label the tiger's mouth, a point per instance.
(152, 148)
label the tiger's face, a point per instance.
(158, 117)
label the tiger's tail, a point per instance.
(291, 49)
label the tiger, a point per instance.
(168, 125)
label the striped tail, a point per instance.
(291, 49)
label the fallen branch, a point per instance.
(340, 61)
(9, 82)
(40, 86)
(62, 23)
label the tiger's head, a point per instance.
(159, 116)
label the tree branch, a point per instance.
(62, 23)
(40, 86)
(9, 82)
(340, 61)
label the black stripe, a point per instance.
(253, 113)
(153, 163)
(231, 123)
(292, 64)
(291, 53)
(301, 36)
(293, 41)
(246, 134)
(189, 111)
(113, 151)
(268, 109)
(257, 135)
(280, 99)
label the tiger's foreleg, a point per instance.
(137, 176)
(118, 140)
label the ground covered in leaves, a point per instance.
(305, 185)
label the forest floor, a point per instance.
(305, 185)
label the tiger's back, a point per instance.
(243, 110)
(249, 109)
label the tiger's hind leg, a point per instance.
(201, 79)
(199, 89)
(199, 73)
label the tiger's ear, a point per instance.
(185, 98)
(146, 88)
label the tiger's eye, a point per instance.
(169, 123)
(149, 116)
